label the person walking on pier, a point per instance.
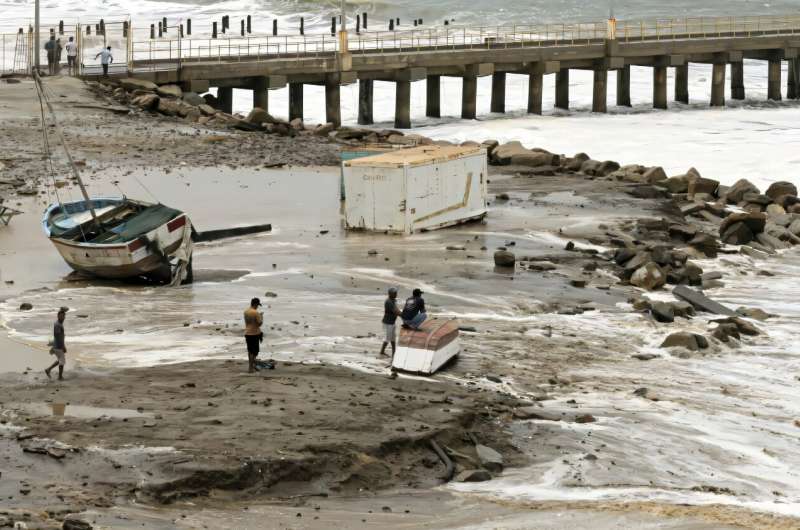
(50, 48)
(59, 48)
(414, 314)
(105, 59)
(72, 56)
(58, 348)
(253, 320)
(390, 314)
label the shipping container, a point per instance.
(416, 189)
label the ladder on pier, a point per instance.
(21, 54)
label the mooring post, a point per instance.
(469, 97)
(682, 83)
(774, 79)
(333, 113)
(103, 27)
(562, 89)
(152, 31)
(89, 29)
(333, 26)
(275, 26)
(433, 95)
(261, 93)
(302, 26)
(241, 31)
(718, 84)
(160, 30)
(498, 92)
(180, 28)
(535, 92)
(659, 87)
(365, 101)
(364, 21)
(391, 25)
(60, 27)
(163, 23)
(188, 26)
(737, 80)
(125, 28)
(225, 99)
(624, 86)
(295, 101)
(249, 24)
(358, 25)
(402, 105)
(213, 30)
(600, 90)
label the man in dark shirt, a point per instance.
(59, 348)
(390, 314)
(414, 314)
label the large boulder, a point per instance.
(737, 234)
(502, 154)
(193, 98)
(169, 91)
(684, 339)
(735, 193)
(131, 84)
(676, 184)
(257, 116)
(504, 258)
(663, 312)
(534, 159)
(146, 101)
(207, 110)
(649, 277)
(169, 106)
(489, 458)
(473, 475)
(575, 163)
(702, 185)
(654, 175)
(776, 189)
(211, 100)
(741, 228)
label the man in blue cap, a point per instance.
(414, 314)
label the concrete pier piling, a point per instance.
(774, 79)
(225, 99)
(682, 83)
(402, 105)
(365, 101)
(261, 93)
(498, 92)
(333, 100)
(793, 81)
(469, 97)
(433, 90)
(737, 80)
(718, 84)
(624, 86)
(295, 100)
(659, 87)
(562, 89)
(535, 92)
(600, 92)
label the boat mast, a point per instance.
(73, 167)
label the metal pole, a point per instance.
(344, 17)
(36, 35)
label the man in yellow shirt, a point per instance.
(253, 319)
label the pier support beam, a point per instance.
(624, 86)
(433, 97)
(600, 91)
(718, 85)
(682, 83)
(365, 98)
(793, 83)
(737, 80)
(225, 99)
(402, 105)
(774, 79)
(659, 87)
(469, 97)
(261, 93)
(562, 89)
(333, 108)
(498, 92)
(295, 101)
(535, 87)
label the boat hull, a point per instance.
(427, 349)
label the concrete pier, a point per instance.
(261, 93)
(737, 80)
(792, 84)
(295, 100)
(774, 79)
(718, 84)
(600, 92)
(535, 92)
(365, 101)
(433, 97)
(682, 83)
(402, 105)
(332, 100)
(562, 89)
(469, 97)
(225, 99)
(624, 86)
(498, 92)
(659, 87)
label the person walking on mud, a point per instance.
(105, 59)
(390, 314)
(59, 348)
(253, 320)
(72, 56)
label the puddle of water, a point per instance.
(74, 411)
